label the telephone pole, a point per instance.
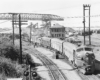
(30, 32)
(89, 28)
(13, 23)
(86, 7)
(20, 39)
(84, 21)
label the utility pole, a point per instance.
(13, 26)
(13, 23)
(86, 7)
(84, 21)
(30, 32)
(89, 27)
(20, 39)
(20, 23)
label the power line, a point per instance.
(82, 16)
(79, 5)
(59, 8)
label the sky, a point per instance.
(63, 8)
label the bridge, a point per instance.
(30, 16)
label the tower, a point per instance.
(86, 7)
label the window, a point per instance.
(80, 49)
(55, 35)
(55, 30)
(52, 30)
(88, 49)
(62, 35)
(58, 30)
(63, 30)
(52, 35)
(79, 57)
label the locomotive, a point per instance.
(82, 57)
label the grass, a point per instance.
(8, 68)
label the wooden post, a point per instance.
(30, 32)
(13, 26)
(84, 21)
(89, 28)
(20, 39)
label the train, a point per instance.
(80, 56)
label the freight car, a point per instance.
(82, 57)
(36, 40)
(46, 42)
(56, 44)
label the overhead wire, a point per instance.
(66, 7)
(82, 16)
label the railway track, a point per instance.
(54, 71)
(57, 74)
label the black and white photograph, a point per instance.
(49, 39)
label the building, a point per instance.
(57, 31)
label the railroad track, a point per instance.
(54, 71)
(57, 74)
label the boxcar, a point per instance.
(46, 42)
(36, 39)
(57, 44)
(68, 50)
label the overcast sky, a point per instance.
(63, 8)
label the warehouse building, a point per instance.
(57, 31)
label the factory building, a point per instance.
(57, 31)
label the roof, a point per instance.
(57, 26)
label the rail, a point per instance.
(54, 71)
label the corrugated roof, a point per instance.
(56, 26)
